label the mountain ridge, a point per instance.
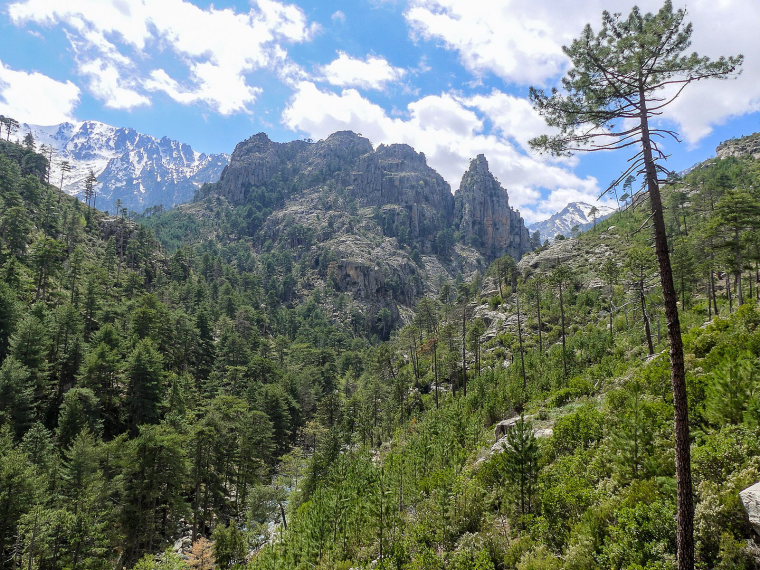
(378, 224)
(139, 170)
(573, 214)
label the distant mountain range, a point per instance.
(138, 169)
(143, 171)
(574, 214)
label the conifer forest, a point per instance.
(328, 360)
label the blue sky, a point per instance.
(449, 77)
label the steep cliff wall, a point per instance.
(484, 217)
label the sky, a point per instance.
(448, 77)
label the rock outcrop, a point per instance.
(377, 224)
(484, 216)
(750, 498)
(744, 147)
(258, 162)
(415, 203)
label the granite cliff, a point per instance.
(377, 224)
(743, 147)
(484, 217)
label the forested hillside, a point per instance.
(142, 396)
(378, 226)
(178, 411)
(566, 354)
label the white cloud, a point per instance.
(371, 73)
(450, 131)
(107, 84)
(511, 116)
(217, 47)
(520, 41)
(338, 16)
(36, 98)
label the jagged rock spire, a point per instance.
(484, 217)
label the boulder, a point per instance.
(501, 429)
(750, 498)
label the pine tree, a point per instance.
(154, 476)
(639, 267)
(16, 396)
(736, 213)
(619, 75)
(20, 489)
(11, 126)
(230, 547)
(593, 212)
(519, 461)
(9, 307)
(730, 390)
(145, 375)
(90, 190)
(560, 277)
(29, 141)
(79, 411)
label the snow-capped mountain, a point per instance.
(574, 214)
(138, 169)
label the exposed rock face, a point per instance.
(257, 162)
(415, 201)
(484, 217)
(412, 202)
(745, 147)
(376, 224)
(750, 498)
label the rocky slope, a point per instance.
(748, 147)
(139, 170)
(574, 214)
(377, 224)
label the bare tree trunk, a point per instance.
(435, 370)
(540, 324)
(739, 291)
(685, 518)
(282, 514)
(464, 348)
(562, 319)
(645, 316)
(751, 295)
(728, 293)
(612, 308)
(520, 339)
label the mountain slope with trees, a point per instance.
(518, 421)
(376, 228)
(577, 361)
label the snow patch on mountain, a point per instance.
(575, 214)
(137, 169)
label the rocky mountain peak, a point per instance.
(136, 169)
(484, 217)
(342, 145)
(479, 164)
(575, 215)
(401, 152)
